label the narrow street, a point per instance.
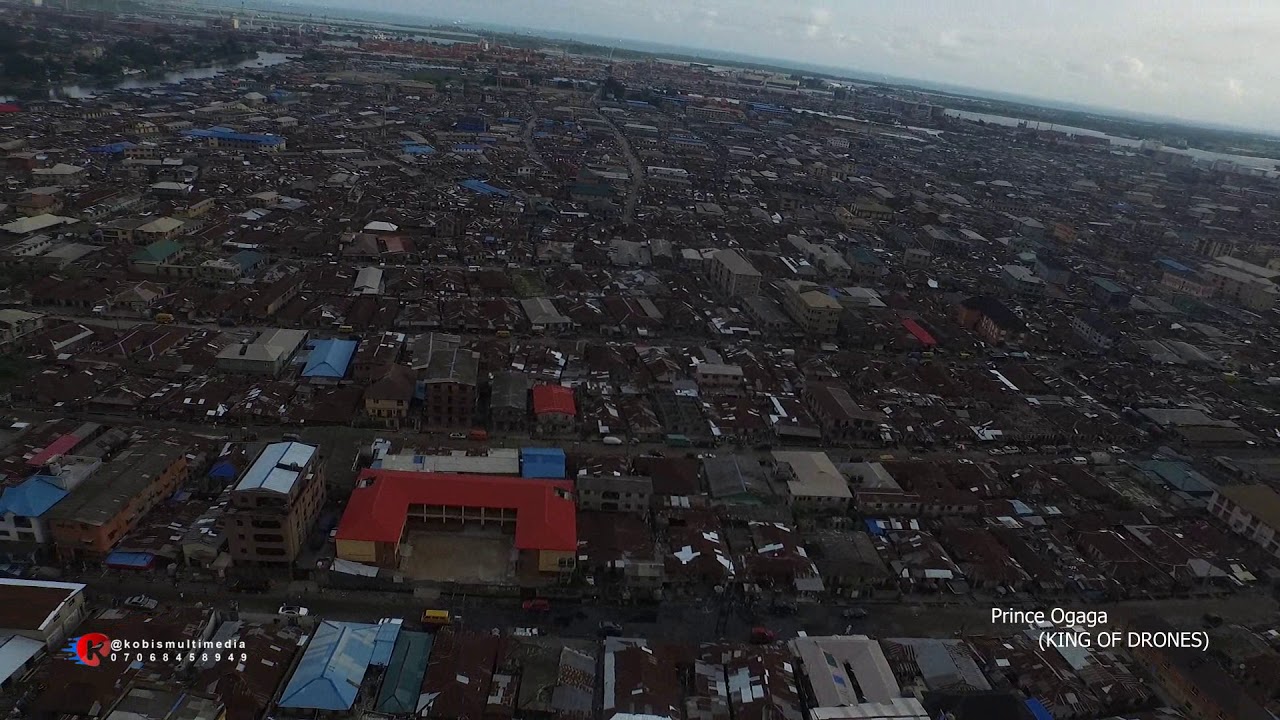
(637, 172)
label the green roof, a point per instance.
(158, 251)
(402, 683)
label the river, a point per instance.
(1270, 164)
(151, 80)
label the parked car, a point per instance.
(536, 605)
(763, 635)
(142, 602)
(855, 613)
(457, 436)
(610, 629)
(292, 611)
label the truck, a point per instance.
(164, 318)
(678, 441)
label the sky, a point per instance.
(1198, 60)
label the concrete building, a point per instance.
(448, 380)
(1096, 331)
(267, 354)
(17, 323)
(813, 482)
(554, 410)
(89, 522)
(47, 612)
(848, 676)
(614, 494)
(1240, 287)
(842, 420)
(816, 312)
(275, 504)
(542, 313)
(719, 378)
(509, 402)
(1252, 511)
(733, 274)
(1022, 281)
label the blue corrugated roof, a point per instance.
(32, 498)
(113, 148)
(1038, 710)
(224, 469)
(277, 467)
(140, 560)
(329, 358)
(1174, 265)
(384, 643)
(329, 674)
(417, 149)
(484, 188)
(221, 133)
(873, 527)
(542, 463)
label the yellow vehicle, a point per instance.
(436, 617)
(346, 329)
(504, 333)
(164, 318)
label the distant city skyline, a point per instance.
(1194, 61)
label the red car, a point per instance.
(537, 605)
(763, 636)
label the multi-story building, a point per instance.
(719, 378)
(614, 494)
(387, 399)
(1022, 281)
(554, 409)
(733, 274)
(1252, 511)
(41, 610)
(1179, 283)
(1240, 286)
(89, 522)
(842, 420)
(267, 354)
(990, 319)
(275, 504)
(1096, 331)
(509, 402)
(816, 312)
(448, 380)
(1108, 292)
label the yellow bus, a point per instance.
(436, 617)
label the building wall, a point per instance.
(448, 405)
(358, 551)
(820, 321)
(732, 283)
(269, 528)
(1242, 522)
(1085, 331)
(555, 423)
(18, 529)
(391, 412)
(75, 539)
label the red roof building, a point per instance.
(61, 446)
(556, 399)
(919, 333)
(381, 506)
(9, 108)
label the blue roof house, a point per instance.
(332, 667)
(329, 360)
(31, 499)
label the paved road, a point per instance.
(637, 172)
(675, 619)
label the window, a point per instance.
(22, 522)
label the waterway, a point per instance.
(153, 80)
(1270, 164)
